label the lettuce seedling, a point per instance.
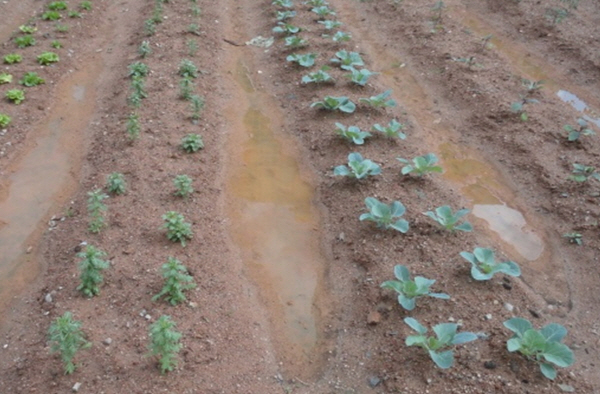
(352, 133)
(47, 58)
(115, 183)
(446, 337)
(347, 60)
(4, 120)
(358, 167)
(323, 11)
(341, 36)
(31, 79)
(192, 143)
(320, 76)
(178, 230)
(484, 265)
(444, 216)
(542, 346)
(164, 343)
(90, 267)
(409, 290)
(421, 165)
(329, 25)
(581, 173)
(51, 16)
(392, 130)
(5, 78)
(17, 96)
(574, 133)
(138, 70)
(285, 15)
(67, 339)
(295, 42)
(12, 58)
(384, 215)
(286, 28)
(25, 41)
(283, 3)
(379, 101)
(330, 103)
(177, 280)
(305, 60)
(360, 77)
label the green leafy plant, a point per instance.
(74, 14)
(295, 42)
(360, 77)
(67, 339)
(285, 15)
(316, 3)
(385, 215)
(329, 25)
(197, 104)
(144, 50)
(5, 78)
(194, 28)
(341, 36)
(574, 133)
(186, 88)
(409, 290)
(25, 41)
(192, 143)
(556, 14)
(31, 79)
(484, 265)
(320, 76)
(4, 120)
(133, 126)
(183, 186)
(57, 6)
(532, 86)
(96, 209)
(17, 96)
(177, 280)
(305, 60)
(90, 268)
(164, 343)
(421, 165)
(51, 16)
(286, 28)
(47, 58)
(138, 92)
(358, 167)
(446, 337)
(581, 173)
(86, 5)
(61, 28)
(543, 346)
(56, 44)
(12, 58)
(192, 47)
(351, 133)
(188, 69)
(26, 29)
(392, 130)
(196, 11)
(283, 3)
(330, 103)
(323, 11)
(347, 60)
(518, 107)
(115, 183)
(178, 230)
(138, 70)
(379, 101)
(149, 27)
(574, 238)
(448, 220)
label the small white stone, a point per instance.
(76, 387)
(509, 307)
(488, 316)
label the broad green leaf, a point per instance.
(415, 325)
(559, 354)
(445, 332)
(463, 337)
(402, 273)
(513, 344)
(444, 360)
(341, 170)
(392, 285)
(401, 225)
(423, 283)
(415, 340)
(441, 296)
(406, 302)
(464, 227)
(548, 370)
(534, 340)
(510, 268)
(553, 332)
(484, 255)
(478, 275)
(397, 209)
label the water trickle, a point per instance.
(579, 105)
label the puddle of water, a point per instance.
(579, 105)
(274, 223)
(42, 178)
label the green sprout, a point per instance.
(409, 290)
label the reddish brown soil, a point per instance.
(231, 343)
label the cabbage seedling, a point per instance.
(329, 25)
(12, 58)
(421, 165)
(574, 133)
(67, 339)
(286, 28)
(409, 290)
(197, 105)
(285, 15)
(341, 36)
(392, 130)
(86, 5)
(164, 343)
(115, 183)
(379, 101)
(444, 216)
(51, 16)
(4, 120)
(183, 186)
(133, 126)
(581, 173)
(352, 133)
(360, 77)
(574, 238)
(532, 86)
(384, 215)
(96, 208)
(484, 265)
(316, 3)
(320, 76)
(446, 337)
(192, 143)
(26, 29)
(343, 104)
(347, 60)
(177, 280)
(295, 42)
(543, 346)
(90, 267)
(306, 60)
(47, 58)
(283, 3)
(31, 79)
(144, 50)
(57, 6)
(25, 41)
(5, 78)
(138, 70)
(323, 11)
(17, 96)
(178, 230)
(358, 167)
(188, 69)
(518, 107)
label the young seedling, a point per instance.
(574, 238)
(183, 186)
(295, 42)
(67, 339)
(379, 101)
(341, 36)
(96, 209)
(330, 25)
(192, 143)
(188, 69)
(115, 183)
(31, 79)
(347, 60)
(392, 130)
(90, 270)
(448, 220)
(12, 58)
(24, 41)
(17, 96)
(305, 60)
(351, 133)
(149, 27)
(61, 28)
(144, 50)
(543, 346)
(532, 86)
(74, 14)
(409, 290)
(197, 105)
(177, 280)
(51, 16)
(283, 3)
(57, 6)
(323, 11)
(285, 15)
(4, 120)
(331, 103)
(556, 14)
(186, 88)
(164, 343)
(581, 173)
(360, 77)
(138, 92)
(446, 337)
(286, 28)
(138, 70)
(486, 42)
(518, 107)
(26, 29)
(47, 58)
(192, 47)
(320, 76)
(316, 3)
(5, 78)
(421, 165)
(384, 215)
(193, 28)
(484, 265)
(358, 167)
(574, 133)
(178, 230)
(56, 44)
(133, 126)
(86, 5)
